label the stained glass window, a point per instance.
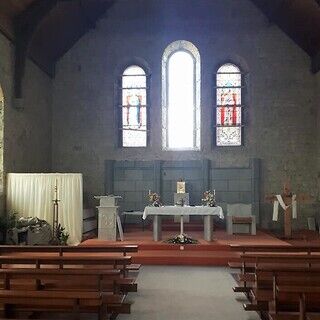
(181, 97)
(133, 124)
(229, 106)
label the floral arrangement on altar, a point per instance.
(182, 239)
(154, 199)
(209, 198)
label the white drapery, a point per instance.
(284, 206)
(32, 195)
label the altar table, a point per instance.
(206, 212)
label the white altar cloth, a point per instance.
(185, 210)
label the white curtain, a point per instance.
(32, 195)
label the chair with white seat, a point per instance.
(240, 219)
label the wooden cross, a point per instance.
(287, 199)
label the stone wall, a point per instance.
(133, 179)
(280, 103)
(27, 134)
(318, 135)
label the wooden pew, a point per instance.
(66, 280)
(127, 284)
(91, 279)
(261, 293)
(62, 250)
(269, 276)
(297, 265)
(253, 259)
(310, 248)
(63, 263)
(243, 249)
(67, 261)
(302, 291)
(57, 301)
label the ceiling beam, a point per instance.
(25, 25)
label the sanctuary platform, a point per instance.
(214, 253)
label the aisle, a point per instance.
(186, 293)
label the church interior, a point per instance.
(158, 152)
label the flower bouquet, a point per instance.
(209, 198)
(182, 239)
(154, 199)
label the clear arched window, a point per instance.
(181, 97)
(229, 106)
(133, 116)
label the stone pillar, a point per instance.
(207, 227)
(157, 227)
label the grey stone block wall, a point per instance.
(189, 171)
(237, 185)
(133, 179)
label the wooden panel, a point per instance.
(89, 225)
(88, 213)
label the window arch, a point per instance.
(133, 115)
(229, 106)
(181, 97)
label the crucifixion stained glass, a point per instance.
(228, 108)
(134, 107)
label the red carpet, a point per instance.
(205, 253)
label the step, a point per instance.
(170, 257)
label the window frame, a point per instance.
(191, 49)
(119, 106)
(215, 106)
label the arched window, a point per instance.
(229, 106)
(181, 97)
(133, 118)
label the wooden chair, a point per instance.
(240, 214)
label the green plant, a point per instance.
(8, 221)
(62, 236)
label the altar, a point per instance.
(205, 211)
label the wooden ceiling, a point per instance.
(46, 29)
